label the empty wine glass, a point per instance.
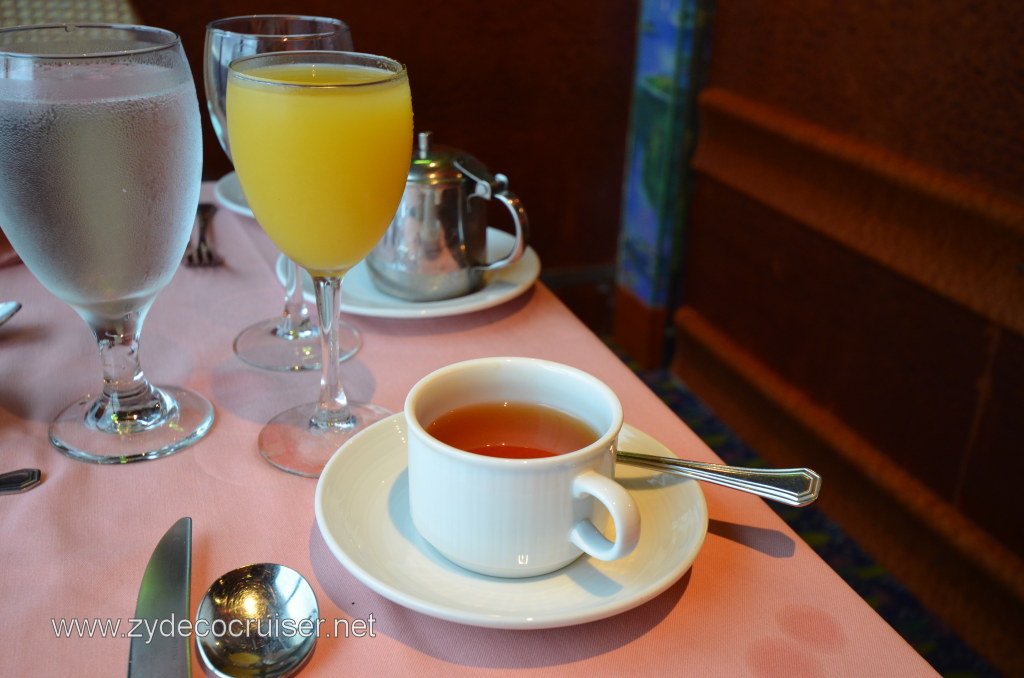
(291, 341)
(100, 168)
(327, 135)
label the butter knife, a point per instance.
(159, 648)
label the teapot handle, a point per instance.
(496, 186)
(499, 190)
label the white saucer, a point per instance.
(362, 510)
(360, 296)
(229, 192)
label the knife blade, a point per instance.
(158, 648)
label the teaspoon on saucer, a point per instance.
(257, 620)
(791, 486)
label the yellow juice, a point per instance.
(323, 167)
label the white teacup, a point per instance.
(513, 517)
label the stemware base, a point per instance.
(293, 443)
(190, 418)
(267, 346)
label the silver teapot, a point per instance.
(436, 245)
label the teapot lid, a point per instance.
(436, 164)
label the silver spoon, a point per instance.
(258, 620)
(7, 309)
(791, 486)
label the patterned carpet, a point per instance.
(926, 632)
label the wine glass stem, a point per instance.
(296, 316)
(128, 402)
(332, 409)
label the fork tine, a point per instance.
(206, 211)
(202, 254)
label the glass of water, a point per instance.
(100, 168)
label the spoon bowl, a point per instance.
(257, 620)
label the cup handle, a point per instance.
(622, 509)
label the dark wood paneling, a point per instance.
(990, 493)
(937, 82)
(957, 238)
(896, 362)
(853, 271)
(538, 91)
(858, 225)
(955, 569)
(639, 330)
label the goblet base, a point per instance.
(293, 443)
(267, 346)
(188, 420)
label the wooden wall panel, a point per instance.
(858, 224)
(856, 262)
(898, 363)
(989, 492)
(958, 238)
(938, 83)
(955, 569)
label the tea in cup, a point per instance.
(508, 459)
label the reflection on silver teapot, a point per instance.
(436, 245)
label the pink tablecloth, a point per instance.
(757, 601)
